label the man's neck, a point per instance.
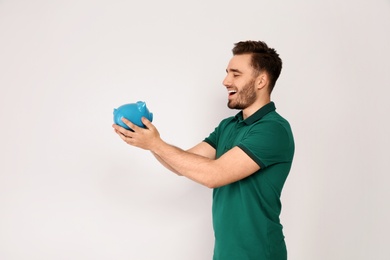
(247, 112)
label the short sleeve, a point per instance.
(212, 139)
(268, 143)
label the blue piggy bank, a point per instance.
(133, 112)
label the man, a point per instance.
(245, 160)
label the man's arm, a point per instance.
(165, 164)
(198, 164)
(234, 165)
(202, 149)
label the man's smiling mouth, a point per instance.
(232, 92)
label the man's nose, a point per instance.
(227, 81)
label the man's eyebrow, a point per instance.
(233, 70)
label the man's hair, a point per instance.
(263, 58)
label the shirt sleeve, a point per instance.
(267, 143)
(212, 139)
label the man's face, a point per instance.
(240, 82)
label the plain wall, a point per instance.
(71, 189)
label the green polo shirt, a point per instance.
(246, 213)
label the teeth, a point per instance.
(232, 91)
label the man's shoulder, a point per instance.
(227, 120)
(274, 118)
(271, 125)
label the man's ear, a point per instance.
(262, 80)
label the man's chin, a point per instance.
(233, 106)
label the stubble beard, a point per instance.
(245, 97)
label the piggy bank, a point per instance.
(133, 112)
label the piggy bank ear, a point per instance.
(141, 106)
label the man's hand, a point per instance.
(146, 138)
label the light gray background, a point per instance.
(71, 189)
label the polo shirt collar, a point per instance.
(258, 114)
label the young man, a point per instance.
(245, 160)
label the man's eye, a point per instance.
(236, 75)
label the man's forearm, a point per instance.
(165, 164)
(192, 166)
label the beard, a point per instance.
(245, 97)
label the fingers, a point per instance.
(125, 135)
(147, 123)
(122, 131)
(138, 136)
(132, 126)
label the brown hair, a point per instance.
(263, 58)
